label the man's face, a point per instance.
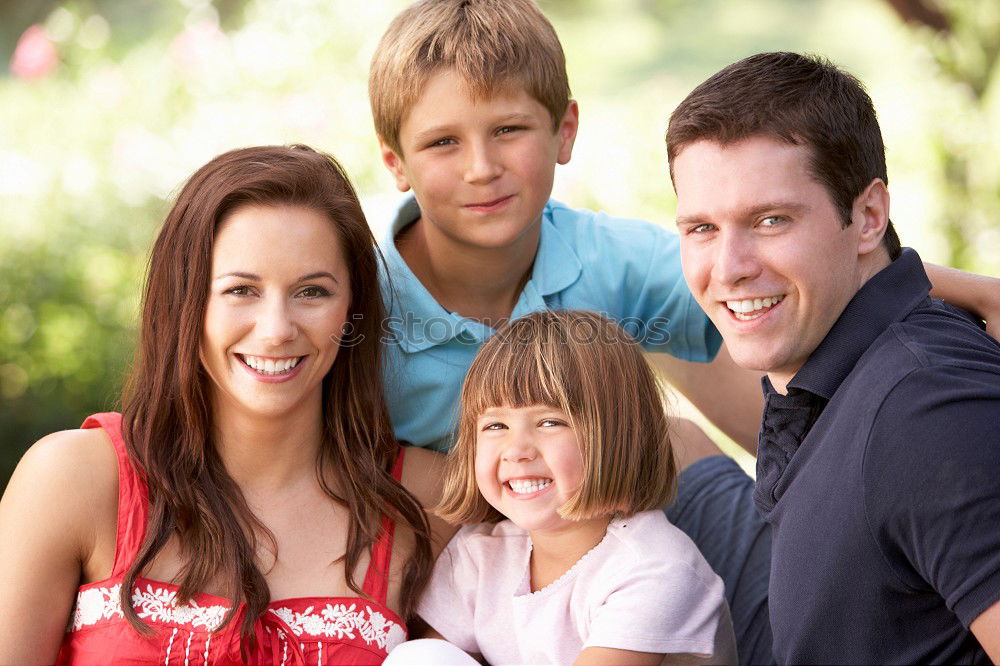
(763, 250)
(481, 169)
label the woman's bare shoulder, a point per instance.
(85, 459)
(68, 478)
(56, 514)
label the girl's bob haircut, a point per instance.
(591, 369)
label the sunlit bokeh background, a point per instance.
(107, 105)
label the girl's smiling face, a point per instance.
(528, 464)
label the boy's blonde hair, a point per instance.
(493, 45)
(588, 367)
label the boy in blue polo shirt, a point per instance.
(473, 111)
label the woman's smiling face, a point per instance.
(279, 295)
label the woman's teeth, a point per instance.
(523, 487)
(270, 366)
(751, 308)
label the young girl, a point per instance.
(563, 433)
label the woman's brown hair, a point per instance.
(588, 367)
(167, 416)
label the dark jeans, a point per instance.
(714, 506)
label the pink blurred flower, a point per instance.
(35, 55)
(194, 48)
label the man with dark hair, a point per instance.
(879, 453)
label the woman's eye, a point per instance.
(241, 290)
(314, 292)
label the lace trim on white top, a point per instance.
(524, 589)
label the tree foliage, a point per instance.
(118, 101)
(963, 40)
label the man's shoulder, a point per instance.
(931, 378)
(931, 457)
(933, 340)
(937, 336)
(935, 348)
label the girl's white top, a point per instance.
(644, 587)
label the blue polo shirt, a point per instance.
(879, 473)
(628, 270)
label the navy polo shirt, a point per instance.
(879, 472)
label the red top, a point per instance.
(305, 630)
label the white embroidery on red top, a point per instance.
(159, 604)
(343, 621)
(155, 604)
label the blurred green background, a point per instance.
(107, 105)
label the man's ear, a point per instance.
(567, 131)
(871, 213)
(394, 163)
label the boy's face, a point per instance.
(764, 251)
(481, 170)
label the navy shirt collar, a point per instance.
(882, 301)
(886, 298)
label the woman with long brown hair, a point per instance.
(250, 503)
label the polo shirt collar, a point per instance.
(556, 264)
(556, 267)
(886, 298)
(411, 306)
